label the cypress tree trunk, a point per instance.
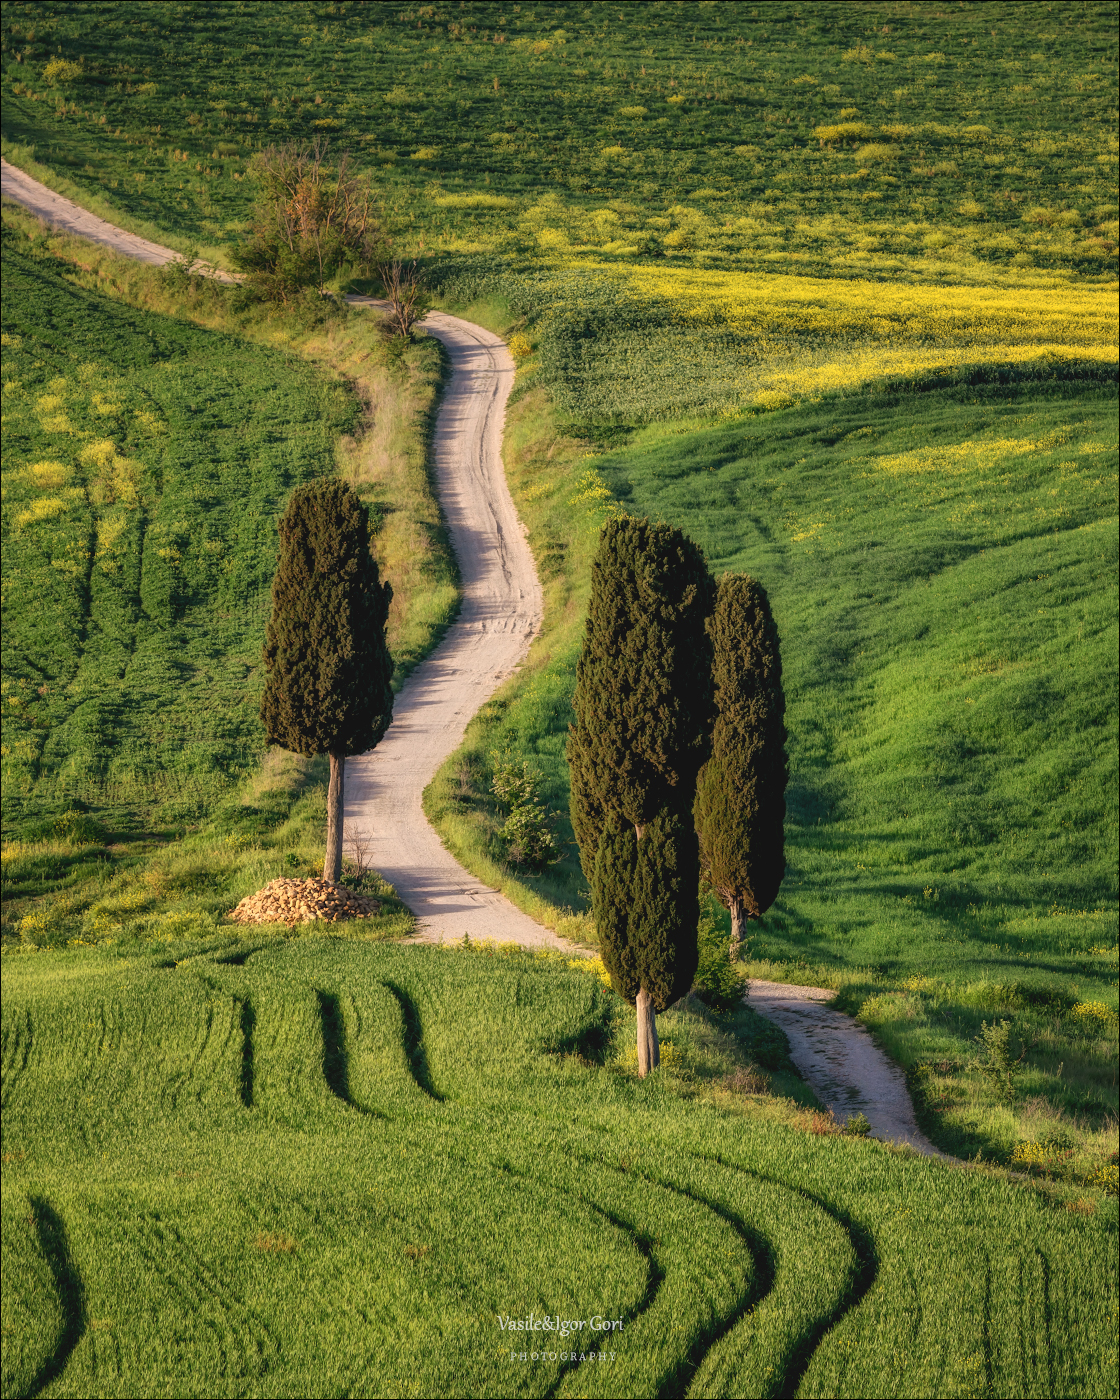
(738, 908)
(332, 861)
(649, 1051)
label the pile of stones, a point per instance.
(300, 901)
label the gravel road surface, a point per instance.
(838, 1058)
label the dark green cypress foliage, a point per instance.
(665, 907)
(643, 690)
(643, 708)
(612, 894)
(588, 814)
(740, 795)
(328, 665)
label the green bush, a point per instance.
(717, 982)
(527, 832)
(75, 828)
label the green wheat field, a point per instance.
(832, 288)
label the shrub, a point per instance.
(716, 982)
(311, 220)
(75, 828)
(995, 1061)
(527, 832)
(878, 152)
(528, 836)
(62, 70)
(842, 131)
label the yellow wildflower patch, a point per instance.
(45, 508)
(1094, 1013)
(594, 967)
(954, 459)
(49, 476)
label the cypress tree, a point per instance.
(645, 895)
(612, 894)
(643, 711)
(328, 665)
(740, 795)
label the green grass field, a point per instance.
(304, 1166)
(144, 469)
(147, 456)
(882, 137)
(831, 288)
(145, 464)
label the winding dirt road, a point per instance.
(63, 213)
(501, 610)
(838, 1058)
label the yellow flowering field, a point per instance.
(643, 343)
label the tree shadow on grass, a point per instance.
(55, 1244)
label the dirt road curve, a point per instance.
(63, 213)
(846, 1069)
(501, 610)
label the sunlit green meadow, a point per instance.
(305, 1166)
(881, 138)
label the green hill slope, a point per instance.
(145, 464)
(875, 137)
(942, 567)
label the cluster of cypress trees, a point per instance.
(677, 754)
(677, 758)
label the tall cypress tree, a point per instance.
(643, 711)
(740, 795)
(328, 664)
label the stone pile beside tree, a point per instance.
(303, 901)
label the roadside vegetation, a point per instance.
(203, 1137)
(879, 140)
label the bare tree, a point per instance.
(404, 288)
(311, 218)
(360, 846)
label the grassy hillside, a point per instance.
(145, 464)
(304, 1167)
(942, 566)
(147, 456)
(882, 137)
(214, 410)
(629, 346)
